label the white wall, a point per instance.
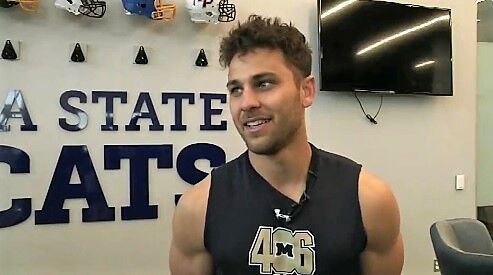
(418, 146)
(485, 116)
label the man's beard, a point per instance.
(274, 143)
(266, 148)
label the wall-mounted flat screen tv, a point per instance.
(385, 47)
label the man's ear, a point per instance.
(307, 91)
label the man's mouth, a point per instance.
(256, 123)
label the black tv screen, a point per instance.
(379, 46)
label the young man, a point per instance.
(284, 206)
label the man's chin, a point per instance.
(262, 148)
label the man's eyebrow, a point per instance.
(262, 75)
(254, 78)
(232, 82)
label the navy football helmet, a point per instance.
(153, 9)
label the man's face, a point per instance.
(266, 104)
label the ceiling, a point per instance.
(485, 24)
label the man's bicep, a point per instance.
(384, 253)
(188, 254)
(384, 262)
(183, 263)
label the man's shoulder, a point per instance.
(331, 158)
(231, 165)
(372, 184)
(195, 198)
(378, 205)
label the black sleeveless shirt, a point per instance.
(324, 234)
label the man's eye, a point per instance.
(265, 84)
(234, 91)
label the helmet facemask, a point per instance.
(93, 8)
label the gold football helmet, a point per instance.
(27, 5)
(164, 12)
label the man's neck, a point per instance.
(287, 170)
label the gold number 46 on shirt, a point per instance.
(283, 251)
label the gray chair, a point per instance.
(485, 215)
(462, 247)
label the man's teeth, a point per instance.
(256, 123)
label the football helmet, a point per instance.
(154, 9)
(91, 8)
(211, 11)
(27, 5)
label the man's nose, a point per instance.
(249, 99)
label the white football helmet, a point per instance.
(211, 11)
(71, 6)
(91, 8)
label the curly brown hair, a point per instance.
(271, 33)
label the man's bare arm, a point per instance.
(384, 253)
(188, 255)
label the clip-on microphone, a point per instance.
(279, 216)
(295, 209)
